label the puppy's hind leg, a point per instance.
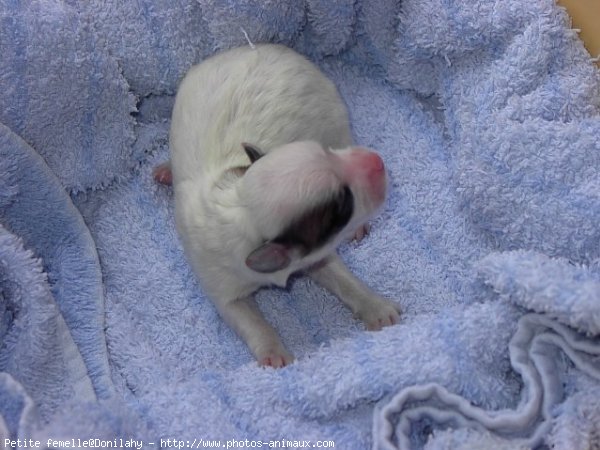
(375, 311)
(162, 173)
(261, 338)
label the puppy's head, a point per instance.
(302, 199)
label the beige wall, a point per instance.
(586, 16)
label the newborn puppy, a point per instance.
(267, 183)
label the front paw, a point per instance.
(271, 353)
(379, 313)
(275, 358)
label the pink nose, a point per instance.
(373, 167)
(365, 169)
(364, 164)
(373, 163)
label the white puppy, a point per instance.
(259, 191)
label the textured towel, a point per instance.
(487, 115)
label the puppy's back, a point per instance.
(267, 96)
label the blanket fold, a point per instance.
(66, 277)
(533, 356)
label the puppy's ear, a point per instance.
(252, 151)
(269, 257)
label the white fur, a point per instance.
(273, 98)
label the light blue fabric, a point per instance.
(487, 115)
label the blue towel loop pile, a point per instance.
(487, 115)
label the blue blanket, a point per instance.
(487, 114)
